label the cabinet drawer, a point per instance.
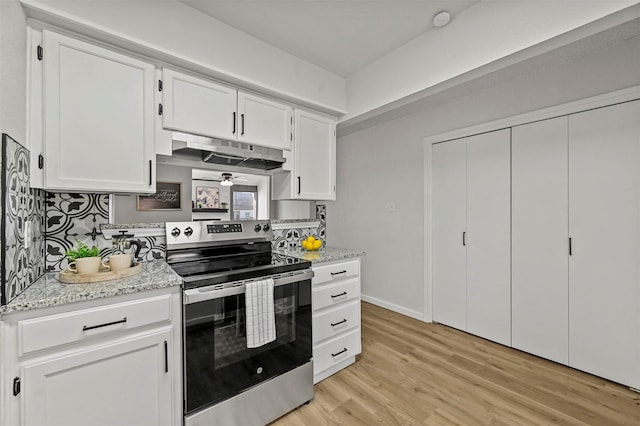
(336, 271)
(336, 321)
(334, 294)
(54, 330)
(337, 350)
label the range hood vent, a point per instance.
(229, 153)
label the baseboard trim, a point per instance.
(393, 307)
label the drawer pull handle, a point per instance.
(338, 273)
(339, 352)
(333, 296)
(333, 324)
(122, 321)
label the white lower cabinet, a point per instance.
(109, 362)
(336, 317)
(125, 382)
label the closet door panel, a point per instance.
(488, 236)
(604, 224)
(539, 239)
(449, 222)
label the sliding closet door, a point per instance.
(449, 221)
(604, 224)
(539, 239)
(488, 236)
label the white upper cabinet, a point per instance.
(203, 107)
(98, 130)
(264, 122)
(198, 106)
(315, 156)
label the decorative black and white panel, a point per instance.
(321, 215)
(74, 217)
(20, 265)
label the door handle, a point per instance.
(242, 120)
(464, 238)
(234, 123)
(570, 247)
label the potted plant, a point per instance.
(84, 259)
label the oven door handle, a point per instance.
(212, 292)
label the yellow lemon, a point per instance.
(305, 244)
(317, 244)
(311, 239)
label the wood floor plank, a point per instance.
(414, 373)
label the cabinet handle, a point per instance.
(16, 386)
(107, 324)
(344, 271)
(150, 171)
(570, 247)
(333, 296)
(298, 185)
(234, 123)
(166, 357)
(464, 238)
(339, 352)
(333, 324)
(242, 120)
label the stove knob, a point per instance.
(266, 227)
(188, 232)
(257, 228)
(175, 232)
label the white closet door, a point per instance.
(449, 222)
(488, 236)
(539, 239)
(604, 224)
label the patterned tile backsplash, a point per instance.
(291, 237)
(72, 217)
(21, 263)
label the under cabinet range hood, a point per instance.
(230, 153)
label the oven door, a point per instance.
(218, 365)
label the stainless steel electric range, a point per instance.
(226, 382)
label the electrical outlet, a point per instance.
(391, 207)
(28, 234)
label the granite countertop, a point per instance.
(324, 255)
(48, 291)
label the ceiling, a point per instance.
(341, 36)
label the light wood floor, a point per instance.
(412, 373)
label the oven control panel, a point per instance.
(216, 231)
(224, 227)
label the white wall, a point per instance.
(486, 32)
(175, 29)
(13, 70)
(384, 164)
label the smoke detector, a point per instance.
(441, 19)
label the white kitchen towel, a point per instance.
(260, 316)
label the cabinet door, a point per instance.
(604, 224)
(449, 224)
(539, 227)
(489, 236)
(201, 107)
(264, 122)
(315, 157)
(124, 383)
(99, 128)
